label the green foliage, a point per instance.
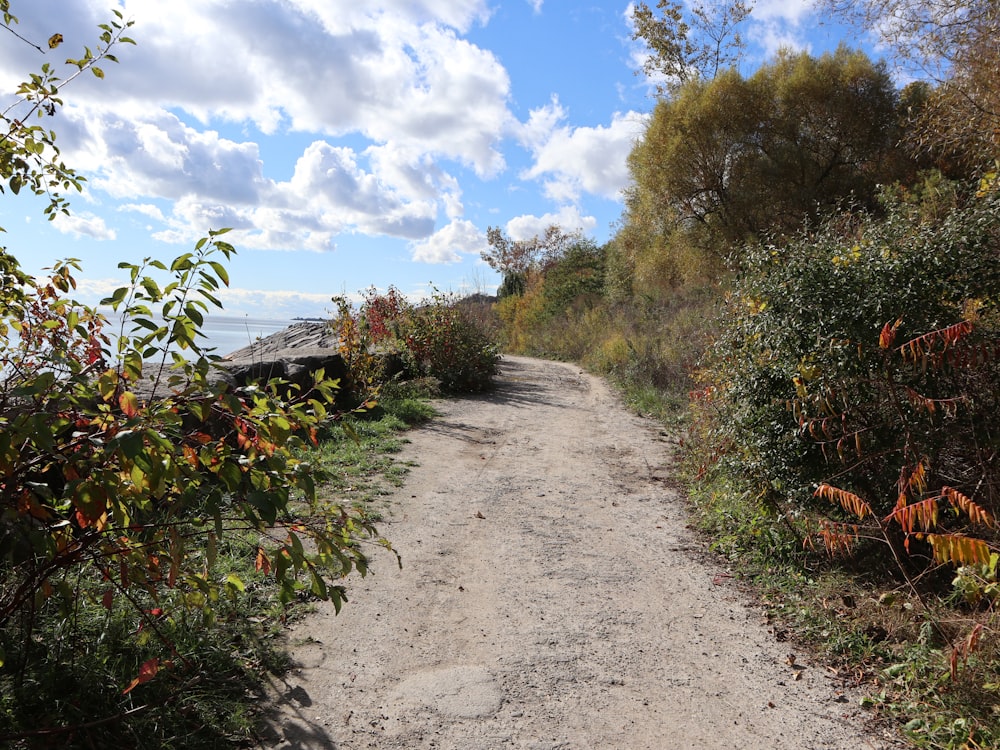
(730, 159)
(142, 499)
(576, 277)
(71, 697)
(29, 156)
(514, 284)
(748, 155)
(864, 356)
(128, 471)
(573, 309)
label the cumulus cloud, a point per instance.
(216, 182)
(156, 154)
(788, 11)
(568, 218)
(449, 243)
(395, 76)
(571, 161)
(393, 71)
(84, 225)
(146, 209)
(393, 100)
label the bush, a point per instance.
(440, 338)
(856, 377)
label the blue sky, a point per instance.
(348, 144)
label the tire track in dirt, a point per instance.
(551, 597)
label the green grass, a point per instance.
(62, 683)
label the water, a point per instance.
(229, 333)
(226, 333)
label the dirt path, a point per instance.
(550, 597)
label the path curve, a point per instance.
(551, 596)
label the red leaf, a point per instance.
(263, 564)
(147, 672)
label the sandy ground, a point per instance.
(551, 596)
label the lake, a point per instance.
(227, 333)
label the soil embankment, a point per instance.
(551, 596)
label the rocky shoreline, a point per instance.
(305, 335)
(292, 354)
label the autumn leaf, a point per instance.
(129, 404)
(55, 40)
(888, 334)
(147, 672)
(263, 564)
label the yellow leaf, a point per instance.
(55, 40)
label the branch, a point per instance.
(26, 41)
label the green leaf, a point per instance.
(220, 271)
(231, 475)
(318, 585)
(131, 443)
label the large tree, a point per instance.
(744, 156)
(952, 43)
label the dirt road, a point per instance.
(551, 597)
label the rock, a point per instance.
(306, 335)
(294, 365)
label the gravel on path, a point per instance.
(551, 596)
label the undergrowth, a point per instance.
(49, 699)
(867, 624)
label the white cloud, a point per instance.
(394, 75)
(449, 243)
(216, 182)
(274, 304)
(571, 161)
(773, 36)
(84, 225)
(415, 101)
(788, 11)
(145, 209)
(393, 71)
(567, 218)
(330, 180)
(156, 154)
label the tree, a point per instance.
(702, 46)
(744, 156)
(953, 44)
(516, 258)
